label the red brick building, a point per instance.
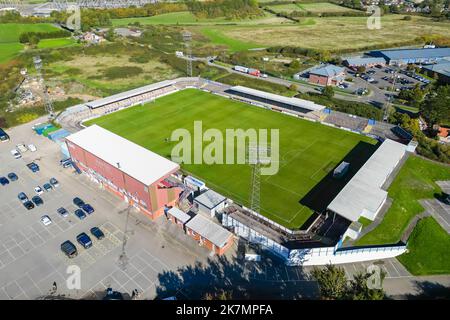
(130, 171)
(327, 75)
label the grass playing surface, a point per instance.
(308, 151)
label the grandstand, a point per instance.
(133, 97)
(348, 121)
(293, 104)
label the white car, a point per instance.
(38, 190)
(22, 148)
(16, 154)
(46, 220)
(32, 147)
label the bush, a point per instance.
(121, 72)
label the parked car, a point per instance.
(80, 214)
(32, 147)
(48, 187)
(84, 240)
(4, 181)
(63, 212)
(12, 176)
(54, 182)
(28, 204)
(69, 249)
(33, 167)
(78, 202)
(67, 164)
(38, 190)
(16, 154)
(21, 148)
(46, 220)
(96, 232)
(37, 200)
(88, 208)
(22, 197)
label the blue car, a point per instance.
(33, 167)
(4, 181)
(84, 240)
(80, 214)
(12, 176)
(96, 232)
(37, 200)
(88, 208)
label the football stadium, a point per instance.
(309, 151)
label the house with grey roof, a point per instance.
(327, 75)
(210, 202)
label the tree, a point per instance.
(293, 87)
(358, 289)
(328, 92)
(110, 35)
(436, 107)
(361, 69)
(332, 282)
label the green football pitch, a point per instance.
(308, 151)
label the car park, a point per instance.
(84, 240)
(78, 202)
(63, 212)
(80, 214)
(4, 181)
(33, 167)
(87, 208)
(97, 233)
(16, 154)
(46, 220)
(38, 190)
(54, 182)
(32, 147)
(12, 176)
(47, 187)
(28, 204)
(69, 249)
(37, 200)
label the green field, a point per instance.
(10, 32)
(429, 251)
(308, 151)
(9, 37)
(56, 43)
(187, 18)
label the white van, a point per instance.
(21, 148)
(32, 147)
(16, 154)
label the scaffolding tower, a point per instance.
(47, 101)
(187, 37)
(257, 155)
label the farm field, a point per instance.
(187, 18)
(319, 7)
(320, 33)
(56, 43)
(108, 73)
(308, 151)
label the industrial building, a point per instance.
(130, 171)
(366, 62)
(294, 104)
(209, 234)
(406, 56)
(327, 75)
(441, 70)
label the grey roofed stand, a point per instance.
(414, 53)
(363, 191)
(128, 94)
(210, 199)
(209, 230)
(305, 104)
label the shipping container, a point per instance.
(241, 69)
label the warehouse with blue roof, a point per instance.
(406, 56)
(441, 70)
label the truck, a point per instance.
(254, 72)
(241, 69)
